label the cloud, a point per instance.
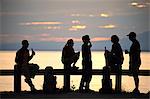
(53, 27)
(42, 23)
(43, 37)
(139, 5)
(104, 15)
(64, 39)
(75, 22)
(109, 26)
(77, 27)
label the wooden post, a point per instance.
(106, 81)
(118, 79)
(17, 79)
(67, 72)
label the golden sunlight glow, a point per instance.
(79, 26)
(138, 5)
(41, 23)
(110, 26)
(134, 3)
(104, 15)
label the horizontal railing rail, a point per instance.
(78, 72)
(17, 75)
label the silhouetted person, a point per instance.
(22, 59)
(86, 64)
(117, 60)
(49, 85)
(68, 57)
(135, 60)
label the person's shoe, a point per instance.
(136, 91)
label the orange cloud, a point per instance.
(77, 27)
(109, 26)
(42, 23)
(99, 39)
(64, 39)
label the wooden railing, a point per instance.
(17, 76)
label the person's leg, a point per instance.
(81, 84)
(28, 80)
(118, 79)
(136, 81)
(67, 78)
(89, 77)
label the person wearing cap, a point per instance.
(135, 60)
(68, 57)
(22, 59)
(86, 64)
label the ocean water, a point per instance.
(53, 58)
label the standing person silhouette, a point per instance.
(135, 60)
(86, 64)
(22, 59)
(117, 60)
(68, 57)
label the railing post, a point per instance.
(106, 81)
(17, 79)
(118, 79)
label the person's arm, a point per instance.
(33, 53)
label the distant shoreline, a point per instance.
(59, 50)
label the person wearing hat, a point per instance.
(86, 64)
(135, 60)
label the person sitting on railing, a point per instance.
(68, 57)
(22, 59)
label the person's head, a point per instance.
(114, 39)
(85, 38)
(70, 42)
(25, 43)
(132, 36)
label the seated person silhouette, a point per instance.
(22, 59)
(49, 85)
(69, 57)
(86, 64)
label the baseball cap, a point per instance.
(132, 34)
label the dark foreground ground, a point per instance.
(72, 95)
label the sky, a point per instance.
(48, 24)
